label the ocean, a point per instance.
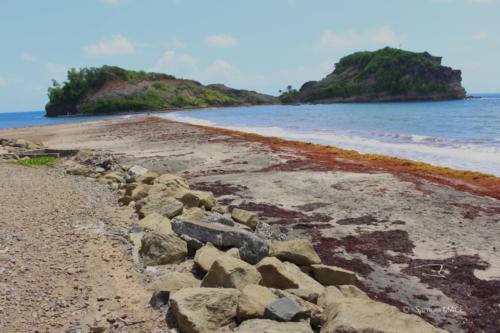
(463, 134)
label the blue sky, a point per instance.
(259, 44)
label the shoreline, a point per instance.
(389, 220)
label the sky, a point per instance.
(262, 45)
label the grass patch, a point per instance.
(38, 161)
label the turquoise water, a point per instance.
(462, 134)
(458, 134)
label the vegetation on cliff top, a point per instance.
(387, 71)
(109, 89)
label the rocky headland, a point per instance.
(386, 75)
(160, 226)
(110, 89)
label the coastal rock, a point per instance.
(310, 310)
(331, 275)
(284, 309)
(201, 310)
(352, 291)
(245, 217)
(147, 178)
(156, 222)
(274, 274)
(159, 203)
(253, 301)
(221, 209)
(329, 296)
(137, 170)
(206, 256)
(229, 272)
(161, 249)
(303, 280)
(360, 315)
(174, 281)
(134, 192)
(297, 251)
(304, 294)
(251, 248)
(170, 184)
(271, 326)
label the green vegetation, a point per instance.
(389, 71)
(111, 89)
(38, 161)
(289, 96)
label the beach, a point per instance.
(420, 237)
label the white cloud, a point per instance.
(112, 2)
(480, 35)
(221, 40)
(382, 36)
(118, 44)
(171, 60)
(3, 82)
(219, 67)
(57, 72)
(28, 57)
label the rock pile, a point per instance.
(224, 276)
(10, 149)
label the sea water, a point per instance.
(461, 134)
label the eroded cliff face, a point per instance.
(386, 75)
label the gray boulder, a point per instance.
(284, 309)
(252, 249)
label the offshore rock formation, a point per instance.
(383, 76)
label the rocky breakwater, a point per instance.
(213, 269)
(12, 149)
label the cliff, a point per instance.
(110, 89)
(385, 75)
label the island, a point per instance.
(111, 89)
(385, 75)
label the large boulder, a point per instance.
(310, 310)
(137, 170)
(174, 281)
(245, 217)
(271, 326)
(284, 309)
(134, 192)
(147, 178)
(333, 276)
(362, 315)
(251, 248)
(253, 301)
(352, 291)
(170, 184)
(329, 296)
(201, 310)
(159, 203)
(303, 280)
(274, 274)
(298, 251)
(156, 222)
(162, 249)
(229, 272)
(206, 256)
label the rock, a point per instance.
(331, 275)
(253, 301)
(159, 203)
(206, 256)
(114, 177)
(352, 291)
(174, 281)
(193, 214)
(251, 248)
(274, 274)
(80, 170)
(156, 222)
(201, 310)
(133, 192)
(211, 217)
(136, 239)
(147, 178)
(162, 249)
(304, 294)
(192, 244)
(269, 232)
(229, 272)
(159, 299)
(221, 209)
(360, 315)
(206, 199)
(329, 296)
(170, 184)
(303, 280)
(297, 251)
(137, 170)
(191, 198)
(311, 310)
(234, 252)
(284, 309)
(271, 326)
(245, 217)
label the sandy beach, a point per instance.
(422, 238)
